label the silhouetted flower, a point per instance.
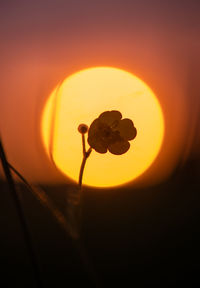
(111, 132)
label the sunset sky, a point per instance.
(147, 234)
(43, 42)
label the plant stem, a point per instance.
(77, 207)
(22, 219)
(83, 143)
(85, 156)
(80, 198)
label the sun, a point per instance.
(81, 98)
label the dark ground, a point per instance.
(134, 238)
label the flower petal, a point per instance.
(127, 129)
(119, 147)
(94, 127)
(109, 117)
(97, 145)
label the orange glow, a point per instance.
(81, 98)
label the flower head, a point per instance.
(110, 132)
(82, 128)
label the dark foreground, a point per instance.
(139, 238)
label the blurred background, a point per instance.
(142, 235)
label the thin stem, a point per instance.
(83, 143)
(77, 207)
(86, 155)
(80, 200)
(22, 219)
(84, 257)
(40, 194)
(19, 175)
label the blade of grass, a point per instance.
(22, 219)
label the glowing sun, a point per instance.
(81, 98)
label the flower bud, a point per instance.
(82, 128)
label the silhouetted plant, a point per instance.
(109, 132)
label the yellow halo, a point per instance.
(81, 98)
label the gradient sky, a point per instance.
(138, 236)
(42, 42)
